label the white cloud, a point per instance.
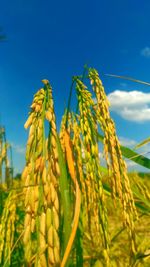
(127, 142)
(101, 155)
(131, 164)
(132, 106)
(146, 52)
(20, 149)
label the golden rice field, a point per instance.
(67, 209)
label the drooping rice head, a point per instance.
(41, 180)
(116, 165)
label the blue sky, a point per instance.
(54, 39)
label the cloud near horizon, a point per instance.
(20, 149)
(132, 106)
(146, 52)
(127, 142)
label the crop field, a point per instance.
(68, 209)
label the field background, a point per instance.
(74, 150)
(68, 208)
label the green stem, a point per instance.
(65, 198)
(69, 102)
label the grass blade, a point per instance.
(132, 155)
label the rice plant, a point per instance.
(72, 211)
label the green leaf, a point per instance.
(140, 202)
(132, 155)
(137, 158)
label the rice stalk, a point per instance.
(78, 150)
(115, 163)
(7, 227)
(33, 169)
(53, 175)
(42, 170)
(96, 210)
(66, 200)
(62, 131)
